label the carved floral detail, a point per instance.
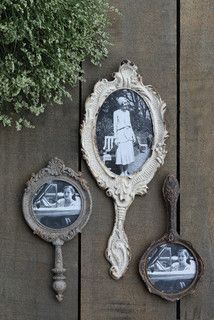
(57, 237)
(161, 153)
(118, 251)
(55, 166)
(123, 189)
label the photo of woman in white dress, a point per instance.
(124, 136)
(124, 132)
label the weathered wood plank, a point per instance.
(196, 145)
(25, 260)
(145, 34)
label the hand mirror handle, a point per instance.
(53, 223)
(118, 170)
(59, 284)
(171, 192)
(171, 277)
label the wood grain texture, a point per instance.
(196, 147)
(145, 34)
(26, 260)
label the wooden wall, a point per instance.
(196, 146)
(172, 44)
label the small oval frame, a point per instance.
(58, 171)
(171, 239)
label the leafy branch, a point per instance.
(42, 45)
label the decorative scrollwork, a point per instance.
(118, 252)
(56, 170)
(151, 264)
(123, 189)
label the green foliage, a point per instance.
(42, 45)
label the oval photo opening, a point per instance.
(124, 132)
(57, 204)
(171, 268)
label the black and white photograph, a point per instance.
(171, 268)
(124, 132)
(57, 204)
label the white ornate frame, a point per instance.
(122, 189)
(56, 170)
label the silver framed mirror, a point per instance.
(123, 143)
(56, 206)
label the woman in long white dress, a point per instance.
(124, 136)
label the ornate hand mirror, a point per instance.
(171, 267)
(123, 142)
(56, 206)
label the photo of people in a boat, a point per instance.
(171, 268)
(57, 204)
